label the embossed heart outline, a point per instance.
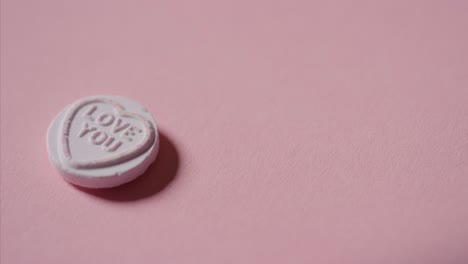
(113, 159)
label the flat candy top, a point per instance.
(114, 134)
(102, 141)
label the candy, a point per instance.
(102, 141)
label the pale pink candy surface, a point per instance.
(110, 130)
(102, 141)
(294, 131)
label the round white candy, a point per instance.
(102, 141)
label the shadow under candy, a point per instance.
(156, 178)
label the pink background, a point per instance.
(293, 131)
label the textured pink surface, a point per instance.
(294, 131)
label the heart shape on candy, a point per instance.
(109, 134)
